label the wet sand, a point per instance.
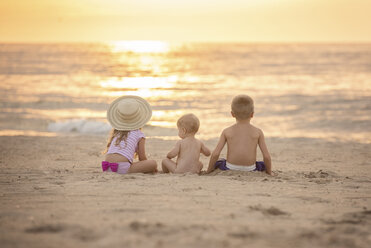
(53, 194)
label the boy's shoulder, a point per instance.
(231, 127)
(235, 130)
(229, 131)
(255, 128)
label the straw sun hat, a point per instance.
(128, 113)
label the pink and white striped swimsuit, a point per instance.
(127, 147)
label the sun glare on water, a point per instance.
(140, 82)
(140, 46)
(152, 87)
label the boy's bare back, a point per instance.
(242, 141)
(242, 138)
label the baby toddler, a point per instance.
(187, 150)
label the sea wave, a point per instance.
(83, 126)
(79, 126)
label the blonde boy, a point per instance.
(242, 140)
(187, 150)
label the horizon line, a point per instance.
(191, 41)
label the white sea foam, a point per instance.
(80, 126)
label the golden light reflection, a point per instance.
(173, 114)
(140, 46)
(166, 118)
(169, 124)
(140, 82)
(146, 87)
(146, 93)
(362, 137)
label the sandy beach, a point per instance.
(311, 100)
(53, 194)
(305, 64)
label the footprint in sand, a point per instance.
(242, 235)
(320, 174)
(350, 230)
(161, 229)
(272, 211)
(362, 217)
(245, 233)
(127, 210)
(149, 228)
(77, 232)
(321, 177)
(191, 189)
(45, 229)
(313, 199)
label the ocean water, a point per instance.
(300, 90)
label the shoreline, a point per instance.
(54, 194)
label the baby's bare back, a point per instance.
(242, 142)
(189, 156)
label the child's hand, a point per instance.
(174, 152)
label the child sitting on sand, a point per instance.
(242, 140)
(127, 114)
(187, 149)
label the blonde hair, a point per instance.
(121, 135)
(242, 106)
(189, 122)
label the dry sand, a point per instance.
(53, 194)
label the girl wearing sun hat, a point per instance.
(127, 114)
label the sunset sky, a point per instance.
(185, 20)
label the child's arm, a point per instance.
(204, 150)
(216, 153)
(173, 153)
(142, 150)
(266, 155)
